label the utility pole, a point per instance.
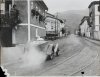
(28, 5)
(99, 12)
(55, 28)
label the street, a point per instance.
(77, 55)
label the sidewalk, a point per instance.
(10, 55)
(93, 41)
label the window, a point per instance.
(2, 8)
(2, 1)
(31, 5)
(97, 21)
(96, 28)
(96, 10)
(51, 27)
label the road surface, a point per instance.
(77, 55)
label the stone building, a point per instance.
(94, 15)
(32, 20)
(5, 30)
(53, 25)
(85, 27)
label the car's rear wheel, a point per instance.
(51, 56)
(57, 53)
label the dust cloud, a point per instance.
(73, 39)
(33, 57)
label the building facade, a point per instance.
(94, 15)
(85, 27)
(5, 30)
(53, 26)
(32, 17)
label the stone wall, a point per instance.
(20, 35)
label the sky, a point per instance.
(65, 5)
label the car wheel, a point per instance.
(57, 53)
(50, 57)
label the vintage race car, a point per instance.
(52, 51)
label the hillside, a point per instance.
(73, 18)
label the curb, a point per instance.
(93, 41)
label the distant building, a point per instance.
(85, 27)
(53, 25)
(94, 15)
(32, 18)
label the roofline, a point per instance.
(54, 18)
(45, 5)
(42, 2)
(83, 19)
(51, 14)
(94, 3)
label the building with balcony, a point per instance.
(94, 15)
(53, 25)
(32, 17)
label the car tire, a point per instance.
(51, 56)
(57, 53)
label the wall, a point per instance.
(50, 24)
(33, 33)
(41, 32)
(97, 18)
(22, 7)
(6, 36)
(84, 27)
(92, 17)
(20, 35)
(53, 24)
(82, 30)
(97, 23)
(40, 9)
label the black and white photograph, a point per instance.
(49, 38)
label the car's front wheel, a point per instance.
(50, 57)
(57, 53)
